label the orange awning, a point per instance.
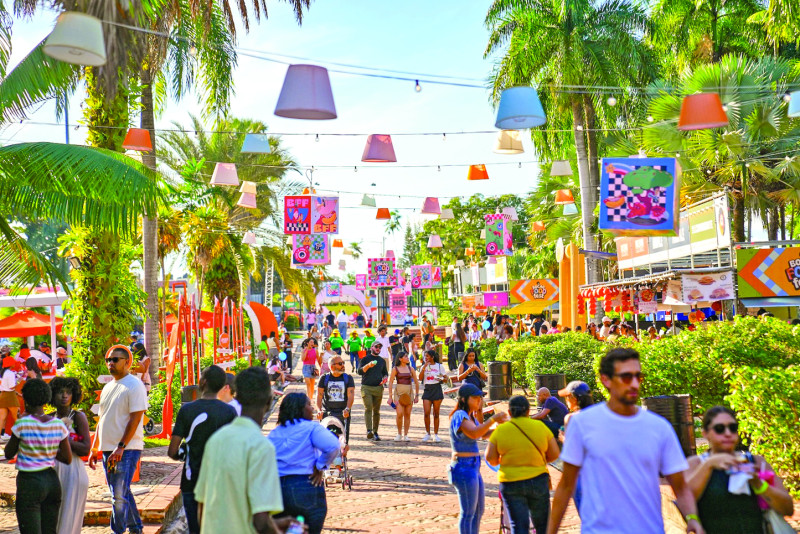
(27, 323)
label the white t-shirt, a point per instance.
(118, 399)
(621, 460)
(384, 341)
(236, 406)
(326, 356)
(432, 372)
(8, 381)
(604, 330)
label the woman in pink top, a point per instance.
(309, 347)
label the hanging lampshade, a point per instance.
(446, 214)
(564, 196)
(390, 253)
(538, 226)
(491, 261)
(256, 144)
(383, 213)
(508, 142)
(459, 263)
(337, 243)
(137, 139)
(368, 200)
(289, 240)
(469, 251)
(248, 198)
(570, 209)
(519, 109)
(306, 94)
(434, 241)
(78, 39)
(225, 174)
(431, 206)
(347, 252)
(477, 172)
(702, 111)
(483, 233)
(561, 168)
(379, 149)
(342, 266)
(511, 211)
(249, 238)
(321, 274)
(309, 191)
(794, 104)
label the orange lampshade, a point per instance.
(138, 139)
(469, 251)
(309, 191)
(564, 196)
(338, 243)
(477, 172)
(383, 213)
(702, 111)
(538, 226)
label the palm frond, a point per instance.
(22, 266)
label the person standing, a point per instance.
(226, 394)
(372, 369)
(457, 344)
(286, 345)
(9, 398)
(620, 452)
(325, 356)
(470, 370)
(367, 340)
(360, 320)
(38, 440)
(120, 437)
(353, 348)
(330, 319)
(385, 345)
(404, 375)
(431, 375)
(311, 319)
(196, 423)
(605, 329)
(309, 347)
(326, 330)
(552, 412)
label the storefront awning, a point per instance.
(531, 306)
(771, 302)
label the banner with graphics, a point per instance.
(324, 215)
(646, 301)
(436, 277)
(297, 215)
(398, 305)
(539, 290)
(381, 272)
(768, 272)
(361, 282)
(421, 276)
(707, 287)
(311, 250)
(333, 289)
(498, 235)
(495, 299)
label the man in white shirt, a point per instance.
(341, 319)
(620, 452)
(605, 329)
(384, 341)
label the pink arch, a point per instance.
(349, 294)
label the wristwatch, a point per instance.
(121, 445)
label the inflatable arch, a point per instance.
(349, 295)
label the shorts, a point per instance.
(433, 392)
(308, 370)
(8, 399)
(399, 389)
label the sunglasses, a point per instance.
(114, 359)
(627, 378)
(720, 428)
(337, 363)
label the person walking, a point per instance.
(337, 342)
(522, 448)
(360, 320)
(341, 319)
(38, 440)
(304, 449)
(228, 392)
(325, 356)
(286, 345)
(385, 343)
(372, 369)
(552, 412)
(465, 467)
(120, 437)
(9, 398)
(336, 392)
(353, 344)
(311, 319)
(367, 340)
(470, 370)
(310, 372)
(66, 393)
(432, 374)
(619, 470)
(457, 344)
(272, 345)
(404, 375)
(196, 422)
(711, 473)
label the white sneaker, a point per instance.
(426, 437)
(436, 438)
(406, 438)
(398, 437)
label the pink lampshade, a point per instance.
(247, 200)
(390, 253)
(379, 149)
(249, 238)
(306, 94)
(225, 174)
(431, 206)
(434, 241)
(511, 212)
(491, 261)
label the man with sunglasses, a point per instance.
(373, 371)
(336, 391)
(621, 451)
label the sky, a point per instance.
(445, 38)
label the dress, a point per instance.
(74, 482)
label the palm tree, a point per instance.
(355, 246)
(393, 224)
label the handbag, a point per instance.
(316, 371)
(774, 523)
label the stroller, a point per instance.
(338, 472)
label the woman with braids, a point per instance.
(304, 449)
(74, 480)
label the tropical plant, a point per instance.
(393, 224)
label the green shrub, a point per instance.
(517, 353)
(575, 354)
(158, 394)
(292, 323)
(487, 348)
(767, 401)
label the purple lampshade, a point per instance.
(390, 253)
(434, 241)
(249, 238)
(306, 94)
(225, 174)
(431, 206)
(379, 149)
(247, 200)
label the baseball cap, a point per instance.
(576, 387)
(470, 390)
(396, 331)
(607, 318)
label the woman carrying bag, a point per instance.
(404, 376)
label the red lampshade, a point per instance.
(538, 226)
(337, 243)
(564, 196)
(138, 139)
(477, 172)
(702, 111)
(383, 213)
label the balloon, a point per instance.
(486, 325)
(282, 356)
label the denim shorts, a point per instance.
(308, 370)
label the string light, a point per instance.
(611, 101)
(417, 87)
(316, 138)
(650, 118)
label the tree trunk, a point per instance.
(150, 238)
(738, 218)
(772, 223)
(594, 161)
(783, 222)
(587, 190)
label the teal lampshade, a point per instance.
(794, 104)
(256, 144)
(519, 109)
(570, 209)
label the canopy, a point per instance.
(206, 320)
(530, 306)
(27, 323)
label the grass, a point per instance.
(151, 443)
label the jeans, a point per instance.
(465, 476)
(360, 323)
(300, 497)
(372, 396)
(38, 501)
(354, 359)
(124, 514)
(343, 330)
(527, 501)
(190, 507)
(554, 427)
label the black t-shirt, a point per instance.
(335, 397)
(330, 319)
(406, 341)
(394, 345)
(196, 422)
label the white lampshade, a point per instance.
(77, 38)
(511, 212)
(434, 241)
(561, 168)
(459, 263)
(508, 142)
(306, 94)
(347, 252)
(447, 214)
(483, 233)
(248, 187)
(368, 200)
(570, 209)
(256, 144)
(289, 240)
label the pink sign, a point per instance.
(297, 215)
(361, 282)
(495, 299)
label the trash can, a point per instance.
(553, 382)
(499, 380)
(677, 409)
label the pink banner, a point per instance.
(496, 299)
(361, 282)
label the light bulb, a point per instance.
(417, 87)
(444, 137)
(193, 51)
(747, 165)
(725, 107)
(439, 168)
(579, 127)
(355, 169)
(611, 101)
(787, 97)
(650, 118)
(708, 171)
(677, 154)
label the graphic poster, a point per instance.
(398, 304)
(495, 299)
(324, 215)
(361, 282)
(539, 290)
(436, 277)
(333, 289)
(381, 272)
(768, 272)
(673, 294)
(646, 301)
(707, 287)
(639, 196)
(297, 215)
(498, 235)
(311, 250)
(421, 277)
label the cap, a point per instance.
(576, 387)
(43, 344)
(607, 318)
(396, 331)
(470, 390)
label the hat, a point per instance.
(9, 361)
(576, 387)
(396, 331)
(43, 344)
(61, 350)
(607, 318)
(470, 390)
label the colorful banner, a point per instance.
(646, 301)
(325, 215)
(297, 215)
(707, 287)
(498, 234)
(495, 299)
(398, 305)
(436, 277)
(333, 289)
(311, 250)
(472, 303)
(361, 282)
(673, 293)
(381, 272)
(639, 196)
(539, 290)
(768, 272)
(421, 276)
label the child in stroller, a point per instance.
(338, 472)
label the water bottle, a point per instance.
(297, 526)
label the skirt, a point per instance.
(8, 399)
(399, 389)
(308, 370)
(433, 392)
(74, 488)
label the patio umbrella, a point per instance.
(27, 323)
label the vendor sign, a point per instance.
(311, 250)
(361, 282)
(539, 290)
(646, 301)
(768, 272)
(436, 277)
(297, 215)
(398, 305)
(707, 287)
(381, 272)
(421, 276)
(495, 299)
(673, 293)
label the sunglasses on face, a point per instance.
(337, 363)
(114, 359)
(627, 378)
(720, 428)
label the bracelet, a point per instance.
(689, 517)
(762, 488)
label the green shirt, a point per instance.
(239, 478)
(368, 341)
(353, 344)
(262, 346)
(336, 342)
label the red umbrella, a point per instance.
(27, 323)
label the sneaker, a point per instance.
(436, 438)
(377, 437)
(426, 437)
(398, 437)
(370, 435)
(406, 438)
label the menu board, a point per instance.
(707, 287)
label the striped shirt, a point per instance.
(38, 442)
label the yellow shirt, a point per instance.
(519, 459)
